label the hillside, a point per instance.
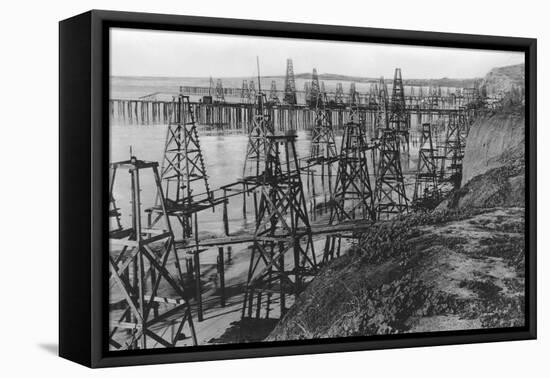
(459, 270)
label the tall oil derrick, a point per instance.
(314, 90)
(183, 172)
(211, 87)
(433, 97)
(354, 97)
(353, 195)
(220, 94)
(339, 94)
(142, 316)
(399, 117)
(323, 145)
(453, 149)
(371, 94)
(245, 93)
(381, 121)
(426, 190)
(390, 195)
(283, 255)
(323, 90)
(273, 96)
(262, 127)
(307, 92)
(252, 91)
(290, 84)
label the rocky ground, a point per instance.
(452, 270)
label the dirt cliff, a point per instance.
(443, 271)
(494, 140)
(494, 164)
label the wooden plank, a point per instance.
(127, 325)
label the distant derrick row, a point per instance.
(283, 258)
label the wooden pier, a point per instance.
(237, 116)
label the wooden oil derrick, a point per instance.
(290, 84)
(307, 92)
(186, 188)
(390, 196)
(323, 153)
(220, 94)
(141, 316)
(323, 90)
(245, 93)
(273, 96)
(262, 127)
(323, 145)
(453, 149)
(252, 90)
(381, 121)
(211, 87)
(282, 257)
(353, 197)
(372, 95)
(426, 189)
(354, 97)
(433, 98)
(339, 94)
(399, 119)
(314, 89)
(183, 171)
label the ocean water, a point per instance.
(223, 154)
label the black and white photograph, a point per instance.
(266, 190)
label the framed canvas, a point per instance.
(236, 188)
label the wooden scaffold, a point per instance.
(142, 314)
(282, 231)
(185, 184)
(453, 148)
(353, 197)
(390, 195)
(426, 188)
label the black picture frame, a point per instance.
(83, 154)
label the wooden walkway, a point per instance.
(347, 228)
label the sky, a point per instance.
(183, 54)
